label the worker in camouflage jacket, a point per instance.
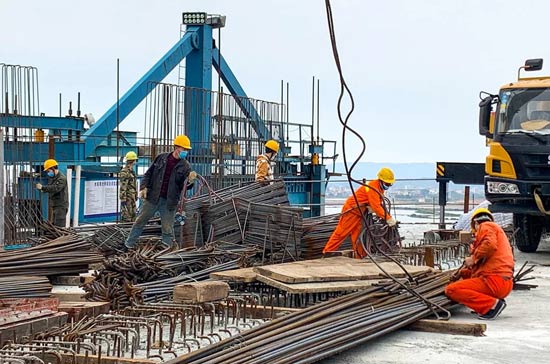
(128, 189)
(58, 198)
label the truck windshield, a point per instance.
(524, 111)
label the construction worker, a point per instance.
(56, 189)
(160, 190)
(487, 274)
(369, 198)
(264, 171)
(128, 189)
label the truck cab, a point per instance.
(516, 123)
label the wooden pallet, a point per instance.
(333, 269)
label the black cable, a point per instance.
(344, 121)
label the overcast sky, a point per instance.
(415, 68)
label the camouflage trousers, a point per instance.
(128, 211)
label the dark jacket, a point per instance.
(57, 191)
(152, 179)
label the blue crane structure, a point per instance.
(71, 144)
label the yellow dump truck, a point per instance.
(516, 123)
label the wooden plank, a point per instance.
(449, 327)
(200, 292)
(316, 287)
(78, 310)
(243, 275)
(333, 269)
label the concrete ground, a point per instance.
(521, 334)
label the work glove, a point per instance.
(192, 177)
(143, 193)
(391, 222)
(38, 186)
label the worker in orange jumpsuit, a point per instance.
(487, 274)
(369, 197)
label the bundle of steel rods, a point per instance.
(111, 283)
(316, 232)
(109, 239)
(276, 230)
(445, 254)
(25, 286)
(151, 271)
(325, 329)
(162, 289)
(65, 255)
(197, 228)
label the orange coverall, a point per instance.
(491, 276)
(350, 222)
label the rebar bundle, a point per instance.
(151, 271)
(64, 255)
(25, 286)
(446, 254)
(203, 211)
(316, 232)
(331, 327)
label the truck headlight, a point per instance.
(502, 187)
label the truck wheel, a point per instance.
(528, 236)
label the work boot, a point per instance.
(494, 312)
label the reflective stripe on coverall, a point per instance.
(491, 276)
(351, 222)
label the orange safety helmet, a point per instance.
(49, 163)
(273, 145)
(182, 141)
(386, 175)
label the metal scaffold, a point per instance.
(227, 144)
(21, 209)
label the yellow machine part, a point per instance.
(498, 153)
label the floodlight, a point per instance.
(198, 18)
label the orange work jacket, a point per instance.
(491, 252)
(367, 196)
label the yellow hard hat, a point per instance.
(482, 211)
(386, 175)
(477, 216)
(49, 163)
(273, 145)
(182, 141)
(131, 156)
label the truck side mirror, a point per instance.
(485, 108)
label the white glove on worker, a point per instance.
(143, 193)
(391, 222)
(192, 177)
(38, 186)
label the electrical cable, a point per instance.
(344, 121)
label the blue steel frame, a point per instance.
(196, 47)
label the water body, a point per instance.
(414, 219)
